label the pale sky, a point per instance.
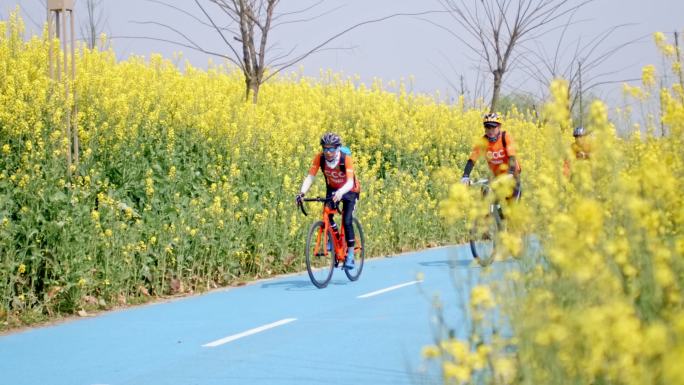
(398, 48)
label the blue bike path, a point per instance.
(347, 333)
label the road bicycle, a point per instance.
(325, 250)
(485, 229)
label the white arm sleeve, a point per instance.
(306, 185)
(347, 186)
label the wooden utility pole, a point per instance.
(62, 67)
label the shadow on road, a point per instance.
(448, 263)
(291, 285)
(299, 285)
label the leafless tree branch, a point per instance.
(327, 41)
(173, 42)
(31, 19)
(455, 35)
(187, 13)
(181, 34)
(277, 25)
(223, 37)
(300, 11)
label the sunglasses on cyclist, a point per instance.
(330, 149)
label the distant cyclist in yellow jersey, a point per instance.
(580, 148)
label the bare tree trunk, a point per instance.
(253, 57)
(92, 26)
(496, 91)
(255, 93)
(91, 37)
(661, 106)
(678, 59)
(252, 87)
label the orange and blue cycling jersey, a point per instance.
(334, 177)
(496, 153)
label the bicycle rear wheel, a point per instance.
(359, 252)
(319, 261)
(483, 237)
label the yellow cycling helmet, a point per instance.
(492, 117)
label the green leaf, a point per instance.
(59, 196)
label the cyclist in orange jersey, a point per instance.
(500, 150)
(341, 186)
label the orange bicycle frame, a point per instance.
(339, 244)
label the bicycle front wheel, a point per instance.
(483, 238)
(319, 261)
(359, 252)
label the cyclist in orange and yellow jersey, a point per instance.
(499, 148)
(341, 185)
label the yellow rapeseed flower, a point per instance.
(430, 351)
(648, 76)
(505, 370)
(456, 372)
(481, 295)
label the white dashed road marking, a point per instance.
(395, 287)
(248, 333)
